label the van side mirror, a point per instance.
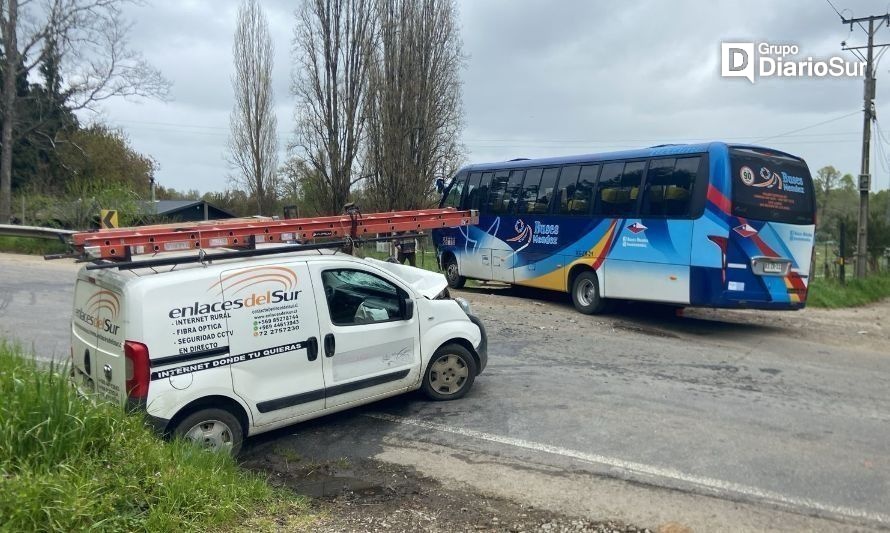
(407, 308)
(440, 185)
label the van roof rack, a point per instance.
(120, 245)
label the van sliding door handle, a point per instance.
(329, 345)
(312, 348)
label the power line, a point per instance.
(787, 133)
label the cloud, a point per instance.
(541, 78)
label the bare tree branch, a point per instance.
(253, 139)
(95, 62)
(332, 47)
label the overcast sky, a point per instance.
(543, 78)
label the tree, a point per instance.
(83, 44)
(253, 140)
(332, 48)
(414, 101)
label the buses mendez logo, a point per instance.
(765, 60)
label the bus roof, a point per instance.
(652, 151)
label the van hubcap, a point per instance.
(211, 434)
(448, 374)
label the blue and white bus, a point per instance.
(715, 224)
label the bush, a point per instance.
(831, 294)
(27, 245)
(67, 464)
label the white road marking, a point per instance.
(710, 484)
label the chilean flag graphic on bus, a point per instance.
(745, 230)
(637, 227)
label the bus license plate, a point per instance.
(773, 268)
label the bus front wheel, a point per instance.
(452, 273)
(586, 294)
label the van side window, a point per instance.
(669, 186)
(530, 189)
(357, 297)
(568, 179)
(472, 190)
(617, 193)
(455, 192)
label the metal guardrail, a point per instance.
(36, 232)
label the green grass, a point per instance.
(829, 293)
(32, 246)
(69, 465)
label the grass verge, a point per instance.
(28, 245)
(69, 465)
(829, 293)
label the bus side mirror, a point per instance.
(440, 185)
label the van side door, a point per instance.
(370, 332)
(273, 338)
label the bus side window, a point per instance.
(608, 191)
(530, 192)
(582, 201)
(496, 191)
(472, 191)
(480, 200)
(669, 189)
(568, 180)
(658, 179)
(456, 191)
(514, 187)
(678, 194)
(545, 192)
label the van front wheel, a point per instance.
(450, 374)
(214, 429)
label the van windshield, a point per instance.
(771, 187)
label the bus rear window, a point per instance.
(771, 187)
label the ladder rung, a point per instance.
(114, 243)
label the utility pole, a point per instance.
(868, 110)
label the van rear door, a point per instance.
(97, 339)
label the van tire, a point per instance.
(450, 373)
(452, 273)
(586, 294)
(213, 429)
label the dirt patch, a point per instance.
(367, 495)
(508, 310)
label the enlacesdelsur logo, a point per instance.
(752, 61)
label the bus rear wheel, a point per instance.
(586, 294)
(452, 273)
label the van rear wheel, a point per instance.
(450, 374)
(213, 429)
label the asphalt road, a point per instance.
(776, 417)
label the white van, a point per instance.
(220, 351)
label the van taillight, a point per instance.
(137, 369)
